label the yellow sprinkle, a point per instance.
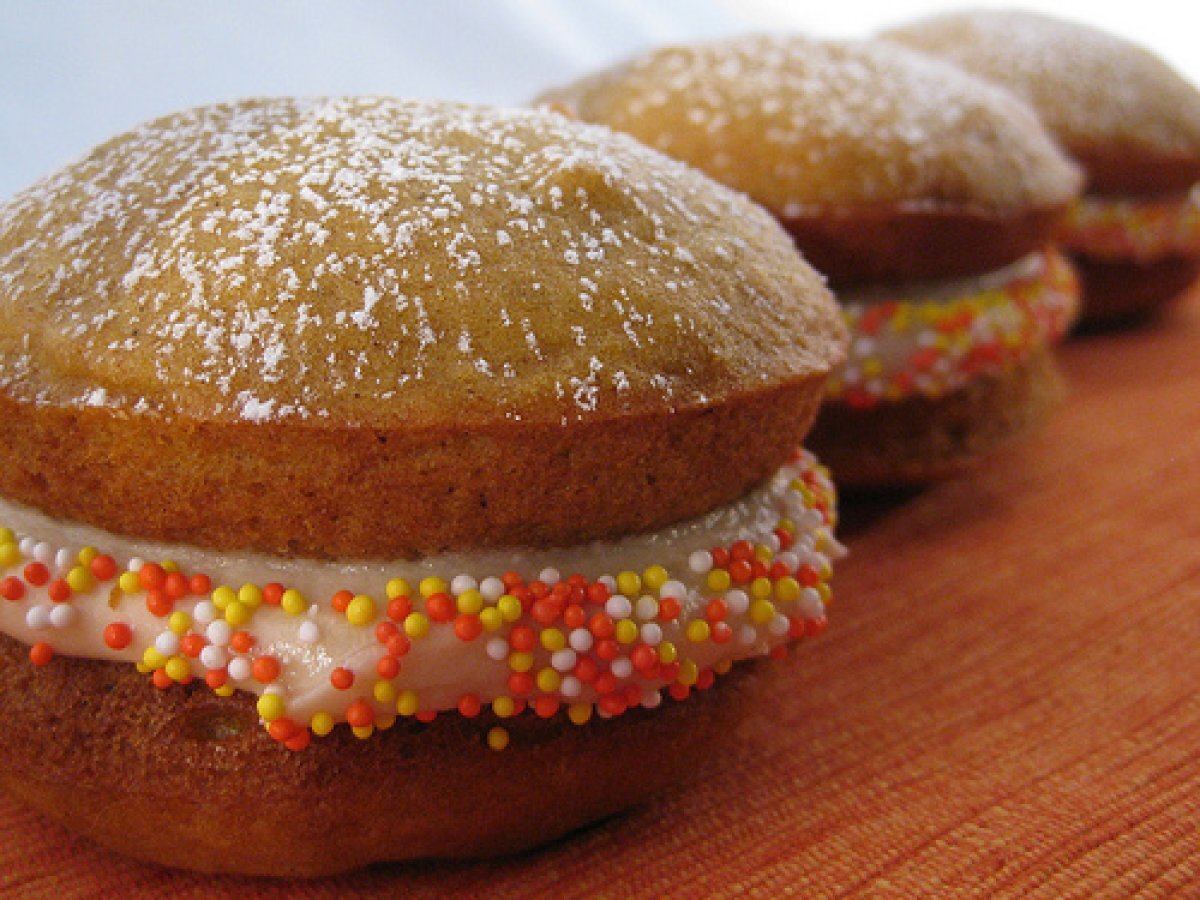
(169, 565)
(293, 602)
(872, 368)
(10, 554)
(407, 703)
(786, 525)
(491, 618)
(362, 732)
(361, 610)
(698, 631)
(763, 553)
(667, 653)
(761, 588)
(237, 613)
(177, 668)
(128, 582)
(629, 583)
(548, 680)
(383, 723)
(510, 607)
(7, 536)
(580, 713)
(250, 595)
(80, 579)
(787, 589)
(655, 577)
(626, 631)
(397, 587)
(384, 692)
(223, 596)
(153, 659)
(497, 738)
(179, 622)
(519, 661)
(270, 707)
(762, 612)
(433, 585)
(722, 666)
(85, 557)
(719, 581)
(225, 690)
(504, 707)
(553, 639)
(416, 625)
(826, 593)
(470, 602)
(689, 672)
(143, 669)
(321, 724)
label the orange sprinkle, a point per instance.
(398, 608)
(341, 678)
(511, 580)
(283, 729)
(716, 610)
(601, 625)
(467, 627)
(216, 678)
(469, 706)
(388, 667)
(159, 603)
(598, 593)
(241, 642)
(426, 715)
(607, 649)
(813, 627)
(299, 741)
(265, 669)
(720, 557)
(586, 670)
(520, 683)
(340, 602)
(679, 691)
(669, 609)
(199, 585)
(161, 679)
(546, 706)
(440, 607)
(11, 588)
(41, 653)
(575, 616)
(613, 704)
(152, 576)
(272, 594)
(192, 644)
(384, 631)
(546, 612)
(118, 635)
(645, 659)
(741, 571)
(808, 576)
(720, 633)
(359, 714)
(59, 591)
(522, 638)
(103, 567)
(176, 586)
(606, 683)
(398, 644)
(705, 679)
(36, 574)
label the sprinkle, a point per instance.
(497, 738)
(41, 653)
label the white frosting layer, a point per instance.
(439, 667)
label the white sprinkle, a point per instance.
(700, 562)
(674, 589)
(651, 633)
(497, 648)
(581, 640)
(651, 698)
(64, 559)
(647, 607)
(460, 584)
(737, 601)
(550, 577)
(167, 643)
(218, 633)
(213, 657)
(563, 660)
(619, 607)
(38, 617)
(622, 667)
(43, 553)
(570, 687)
(62, 615)
(239, 668)
(309, 632)
(491, 588)
(204, 613)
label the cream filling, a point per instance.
(1138, 229)
(311, 641)
(932, 338)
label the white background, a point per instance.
(74, 72)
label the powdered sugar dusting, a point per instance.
(797, 122)
(1088, 86)
(369, 260)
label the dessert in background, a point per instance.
(927, 196)
(1129, 119)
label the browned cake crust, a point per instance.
(896, 246)
(184, 778)
(922, 439)
(1123, 293)
(370, 327)
(882, 163)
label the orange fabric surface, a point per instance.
(1007, 702)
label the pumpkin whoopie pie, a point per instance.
(928, 198)
(1129, 119)
(348, 442)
